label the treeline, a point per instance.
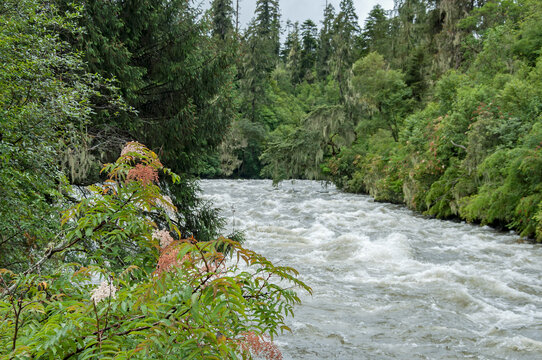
(434, 104)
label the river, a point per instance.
(389, 283)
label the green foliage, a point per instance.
(300, 151)
(171, 71)
(310, 46)
(260, 50)
(176, 69)
(345, 32)
(529, 42)
(379, 95)
(160, 297)
(222, 13)
(325, 43)
(375, 33)
(46, 99)
(245, 153)
(470, 147)
(434, 113)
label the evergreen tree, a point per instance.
(261, 48)
(375, 35)
(347, 18)
(345, 32)
(176, 78)
(412, 43)
(222, 17)
(309, 41)
(168, 68)
(294, 55)
(325, 45)
(290, 39)
(267, 23)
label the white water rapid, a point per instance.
(388, 283)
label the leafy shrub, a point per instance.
(159, 296)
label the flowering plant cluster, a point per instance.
(126, 287)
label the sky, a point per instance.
(301, 10)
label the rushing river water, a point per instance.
(389, 284)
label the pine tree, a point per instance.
(290, 39)
(325, 45)
(375, 35)
(267, 22)
(347, 17)
(345, 32)
(293, 54)
(261, 49)
(309, 50)
(169, 70)
(222, 17)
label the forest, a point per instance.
(435, 104)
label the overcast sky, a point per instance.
(301, 10)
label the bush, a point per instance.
(129, 289)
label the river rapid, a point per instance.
(388, 283)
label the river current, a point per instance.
(388, 283)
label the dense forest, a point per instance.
(436, 104)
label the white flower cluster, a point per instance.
(163, 237)
(132, 147)
(105, 290)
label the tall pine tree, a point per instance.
(325, 45)
(267, 23)
(345, 32)
(169, 70)
(375, 35)
(260, 49)
(293, 54)
(222, 17)
(309, 41)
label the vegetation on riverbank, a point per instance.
(129, 286)
(436, 104)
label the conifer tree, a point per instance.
(293, 52)
(345, 32)
(222, 17)
(375, 35)
(169, 70)
(309, 50)
(290, 39)
(325, 46)
(267, 23)
(261, 48)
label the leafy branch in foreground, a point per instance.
(129, 289)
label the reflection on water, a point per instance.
(389, 284)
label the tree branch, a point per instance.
(459, 146)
